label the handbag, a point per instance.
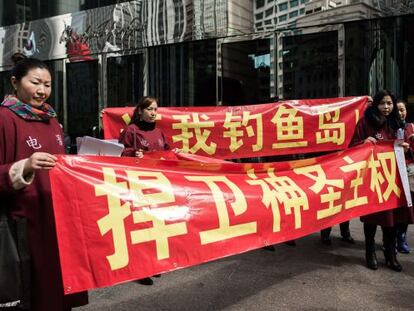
(14, 263)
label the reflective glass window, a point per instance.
(293, 14)
(269, 12)
(283, 6)
(56, 97)
(294, 3)
(378, 55)
(183, 74)
(19, 11)
(82, 99)
(322, 61)
(260, 3)
(259, 15)
(124, 80)
(246, 72)
(5, 85)
(282, 18)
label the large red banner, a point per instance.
(287, 127)
(119, 219)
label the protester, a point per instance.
(29, 136)
(402, 245)
(142, 136)
(381, 122)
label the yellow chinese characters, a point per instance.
(238, 204)
(283, 190)
(146, 189)
(330, 129)
(360, 168)
(114, 220)
(383, 169)
(380, 171)
(191, 126)
(317, 174)
(234, 125)
(377, 179)
(289, 132)
(126, 118)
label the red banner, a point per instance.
(288, 127)
(120, 219)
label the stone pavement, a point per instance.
(310, 276)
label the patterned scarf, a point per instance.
(28, 112)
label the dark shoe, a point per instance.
(348, 239)
(326, 240)
(371, 259)
(291, 243)
(145, 281)
(402, 245)
(391, 260)
(269, 248)
(403, 248)
(156, 275)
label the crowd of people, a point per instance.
(30, 137)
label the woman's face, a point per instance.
(385, 106)
(402, 111)
(34, 88)
(150, 113)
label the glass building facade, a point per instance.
(198, 53)
(23, 11)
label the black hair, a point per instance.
(143, 103)
(401, 101)
(22, 65)
(376, 119)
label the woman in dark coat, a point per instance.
(381, 122)
(402, 244)
(142, 136)
(29, 136)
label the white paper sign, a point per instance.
(93, 146)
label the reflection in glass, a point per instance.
(246, 72)
(310, 66)
(56, 98)
(5, 85)
(183, 74)
(82, 101)
(19, 11)
(124, 80)
(378, 55)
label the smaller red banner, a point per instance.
(288, 127)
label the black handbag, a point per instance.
(14, 263)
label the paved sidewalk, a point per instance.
(310, 276)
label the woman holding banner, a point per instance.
(381, 122)
(29, 136)
(141, 136)
(402, 245)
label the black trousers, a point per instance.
(389, 235)
(344, 227)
